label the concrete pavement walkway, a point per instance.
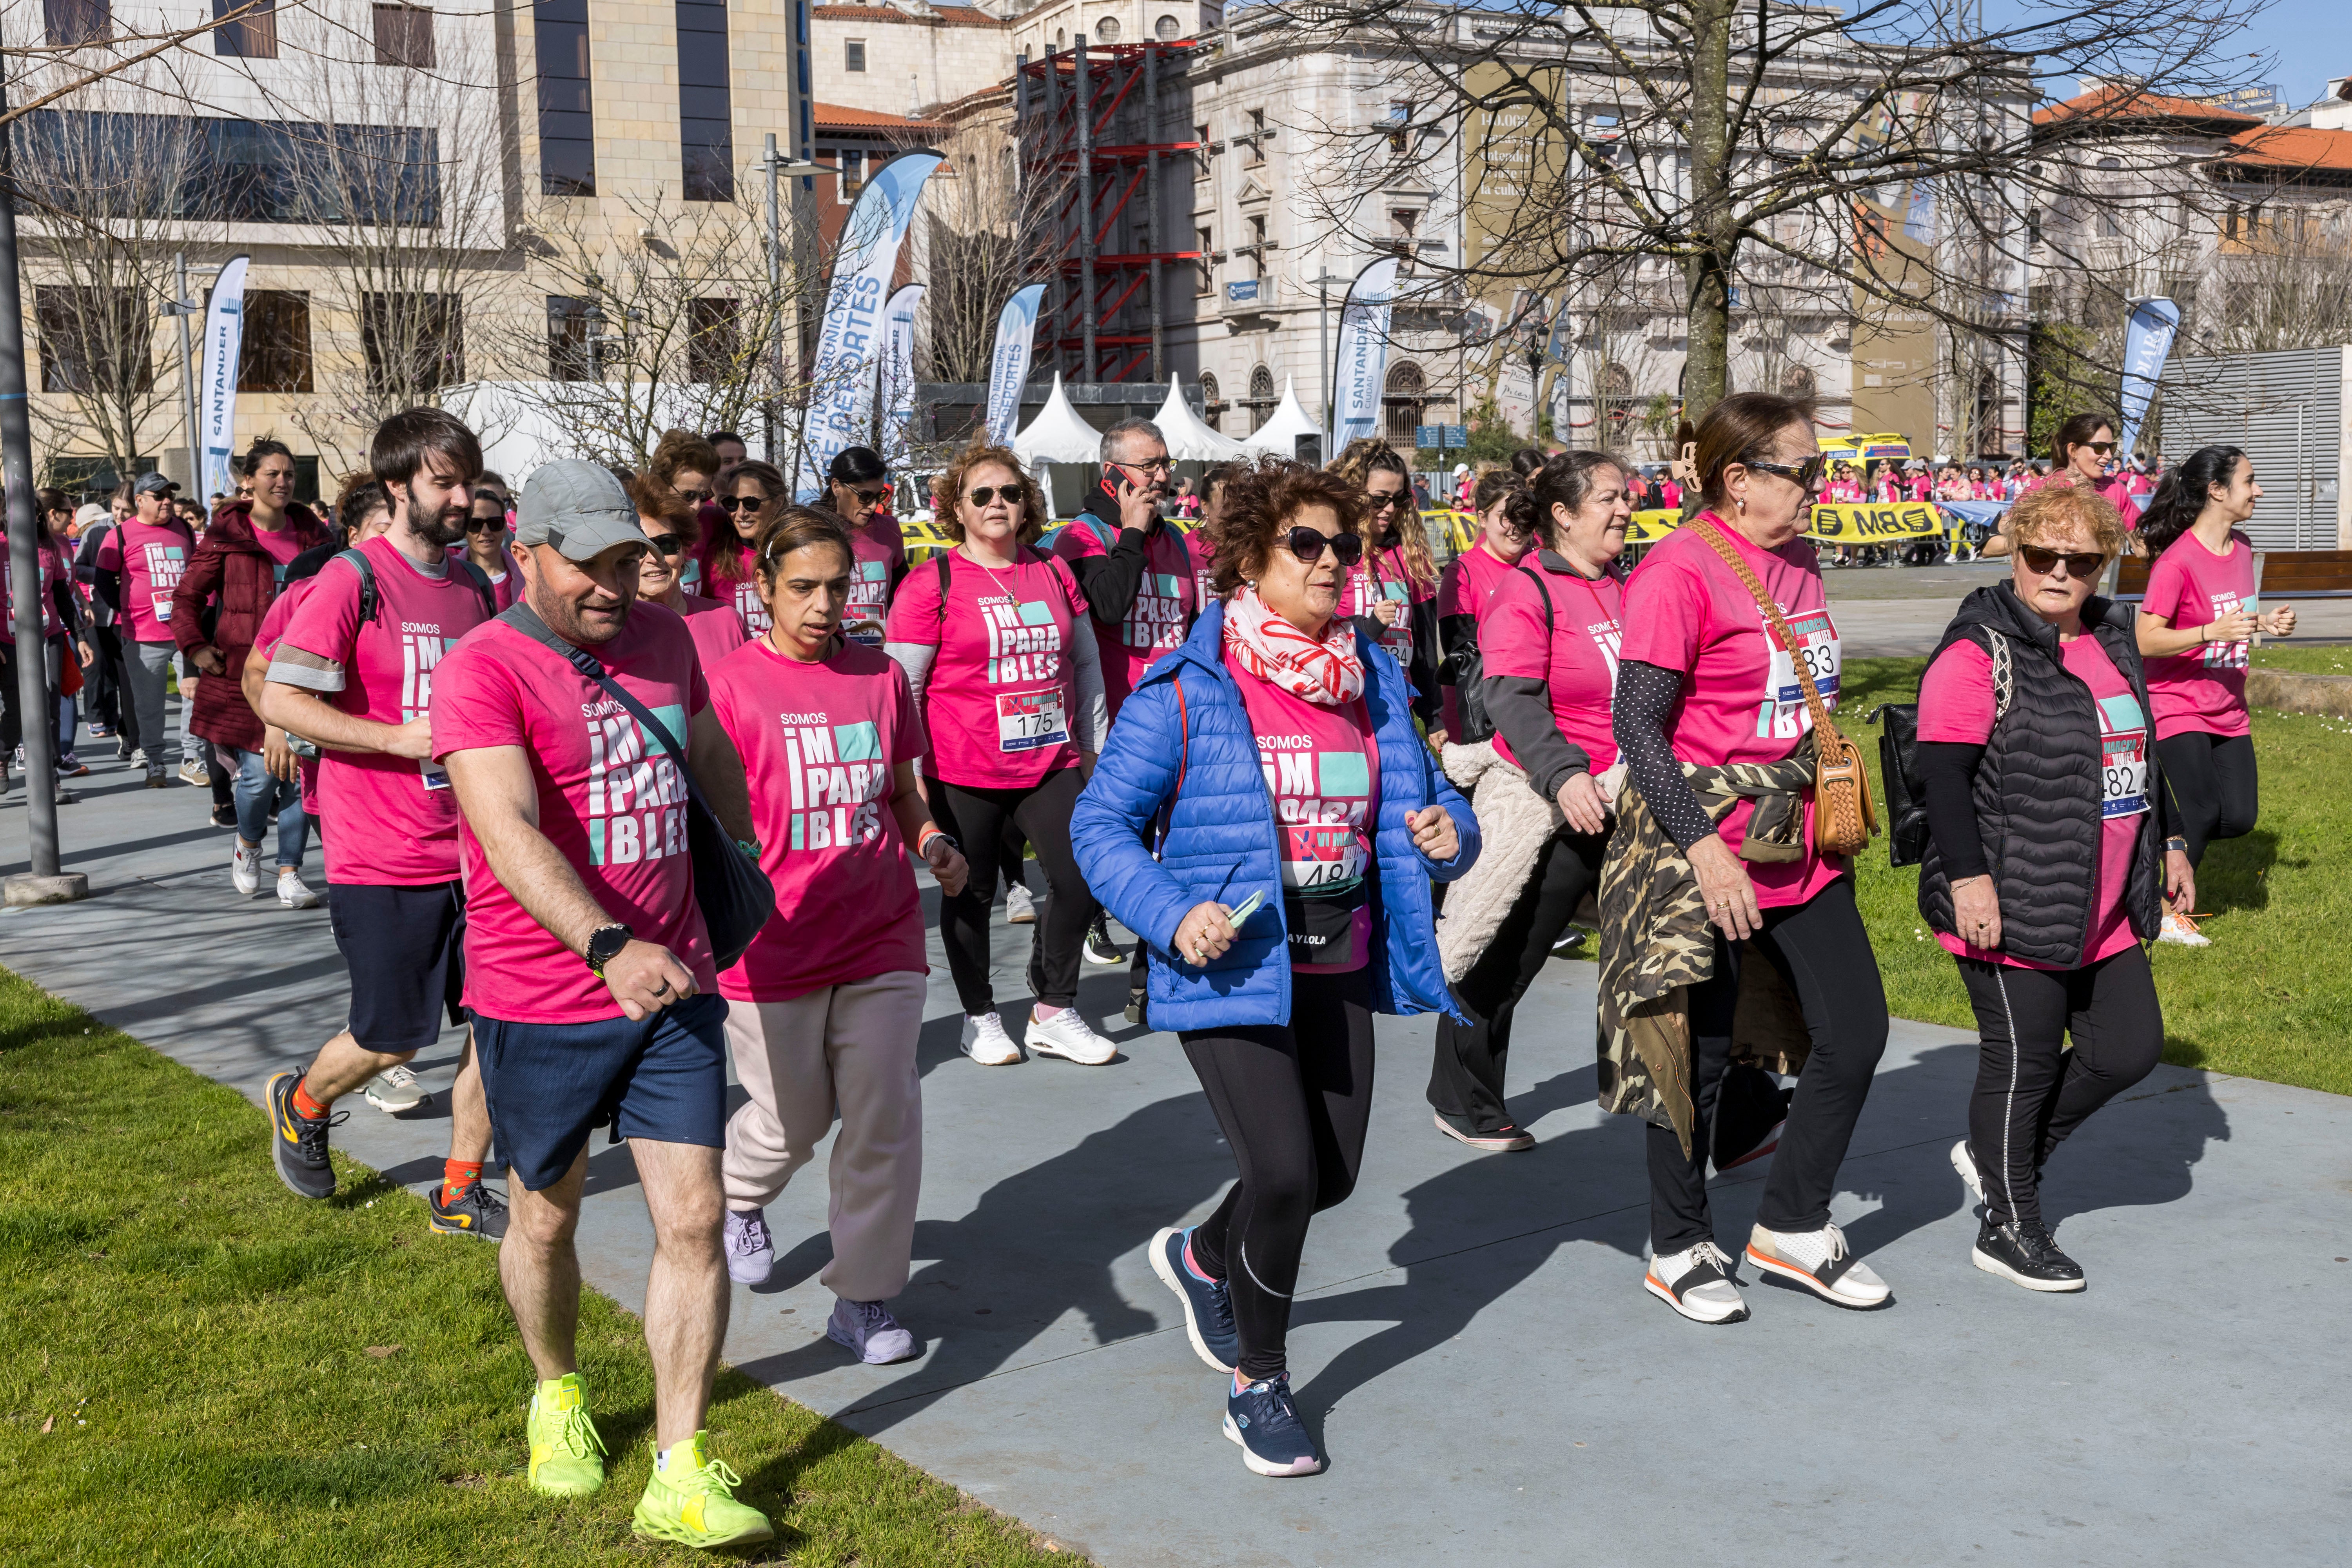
(1472, 1339)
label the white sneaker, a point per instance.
(1020, 907)
(294, 893)
(1698, 1283)
(985, 1041)
(244, 870)
(1965, 1163)
(1818, 1260)
(394, 1090)
(1066, 1033)
(2181, 931)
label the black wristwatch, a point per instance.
(605, 944)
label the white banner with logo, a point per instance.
(217, 392)
(2147, 343)
(1008, 368)
(1361, 368)
(841, 382)
(894, 400)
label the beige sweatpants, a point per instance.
(846, 1052)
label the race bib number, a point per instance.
(163, 606)
(1782, 715)
(1028, 719)
(1398, 638)
(436, 775)
(869, 600)
(1321, 799)
(2123, 757)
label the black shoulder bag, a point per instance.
(1465, 670)
(736, 896)
(1898, 757)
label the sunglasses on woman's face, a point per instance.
(750, 503)
(2104, 448)
(1806, 473)
(1012, 495)
(485, 525)
(667, 544)
(871, 498)
(1308, 543)
(2042, 563)
(1383, 500)
(695, 498)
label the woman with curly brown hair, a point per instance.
(996, 644)
(1298, 821)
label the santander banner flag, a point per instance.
(217, 394)
(1363, 361)
(1008, 368)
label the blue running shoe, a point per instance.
(1263, 1419)
(1208, 1306)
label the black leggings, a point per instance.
(2212, 778)
(1294, 1100)
(1823, 954)
(2031, 1093)
(1465, 1073)
(977, 817)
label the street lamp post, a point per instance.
(1323, 282)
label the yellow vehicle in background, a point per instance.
(1863, 450)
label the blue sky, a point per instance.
(2311, 40)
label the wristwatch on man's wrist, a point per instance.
(605, 944)
(2179, 844)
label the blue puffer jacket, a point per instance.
(1222, 841)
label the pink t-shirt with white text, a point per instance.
(743, 591)
(1742, 702)
(1573, 652)
(1461, 590)
(1166, 600)
(821, 744)
(1001, 703)
(610, 799)
(717, 629)
(387, 820)
(2203, 689)
(55, 568)
(1381, 575)
(1323, 771)
(1956, 705)
(152, 558)
(879, 550)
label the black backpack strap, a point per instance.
(371, 601)
(482, 587)
(945, 574)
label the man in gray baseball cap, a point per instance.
(577, 532)
(152, 485)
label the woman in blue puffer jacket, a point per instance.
(1299, 820)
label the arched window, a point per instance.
(1168, 29)
(1061, 39)
(1261, 398)
(1797, 382)
(1107, 30)
(1403, 397)
(1213, 402)
(1616, 401)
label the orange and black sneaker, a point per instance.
(299, 1143)
(478, 1211)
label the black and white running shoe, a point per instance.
(2025, 1254)
(1697, 1282)
(1820, 1261)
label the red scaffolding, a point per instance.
(1086, 119)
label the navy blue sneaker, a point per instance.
(1208, 1306)
(1263, 1419)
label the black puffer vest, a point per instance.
(2037, 790)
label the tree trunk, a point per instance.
(1706, 273)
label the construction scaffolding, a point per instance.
(1088, 118)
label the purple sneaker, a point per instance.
(870, 1332)
(751, 1250)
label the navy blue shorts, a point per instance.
(405, 948)
(550, 1086)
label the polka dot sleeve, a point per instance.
(1645, 696)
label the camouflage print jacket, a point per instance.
(1657, 943)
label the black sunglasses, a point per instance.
(2041, 562)
(2104, 448)
(697, 496)
(1375, 501)
(485, 525)
(733, 504)
(871, 498)
(1308, 544)
(1014, 495)
(1807, 473)
(667, 544)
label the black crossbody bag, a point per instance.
(736, 896)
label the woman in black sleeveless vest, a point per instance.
(2052, 857)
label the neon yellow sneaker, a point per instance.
(693, 1501)
(566, 1455)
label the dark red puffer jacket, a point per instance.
(229, 562)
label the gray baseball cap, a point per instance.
(578, 507)
(152, 484)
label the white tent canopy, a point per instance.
(1187, 437)
(1279, 434)
(1058, 434)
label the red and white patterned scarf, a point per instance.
(1328, 672)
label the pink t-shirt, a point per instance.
(1166, 600)
(2205, 687)
(1574, 653)
(1001, 698)
(610, 800)
(281, 546)
(1740, 701)
(820, 743)
(506, 583)
(717, 629)
(1382, 575)
(152, 558)
(50, 557)
(264, 647)
(879, 549)
(387, 820)
(2114, 487)
(743, 591)
(1323, 772)
(1955, 704)
(1203, 555)
(1461, 590)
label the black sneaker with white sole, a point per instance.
(299, 1143)
(1100, 949)
(478, 1211)
(2025, 1254)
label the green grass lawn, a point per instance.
(196, 1368)
(2271, 998)
(2327, 659)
